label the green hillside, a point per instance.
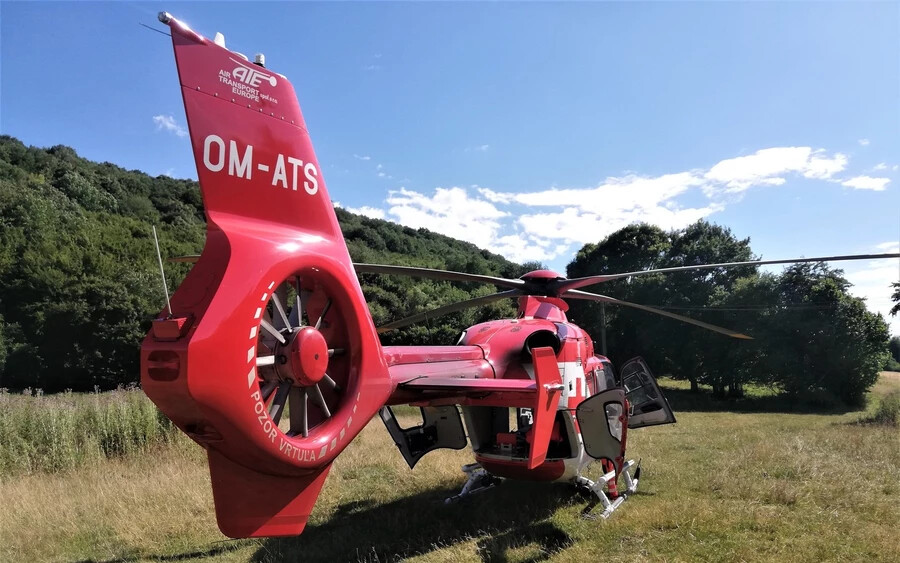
(79, 281)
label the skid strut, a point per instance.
(609, 480)
(478, 481)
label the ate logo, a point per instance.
(251, 75)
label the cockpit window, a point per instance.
(610, 375)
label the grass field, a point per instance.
(742, 481)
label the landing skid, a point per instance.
(596, 487)
(478, 481)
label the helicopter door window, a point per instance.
(593, 381)
(647, 405)
(614, 419)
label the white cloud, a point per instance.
(523, 248)
(867, 183)
(362, 157)
(545, 224)
(379, 170)
(615, 195)
(769, 166)
(372, 212)
(372, 67)
(863, 142)
(890, 247)
(873, 283)
(880, 166)
(449, 211)
(167, 123)
(572, 225)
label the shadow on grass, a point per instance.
(217, 548)
(684, 400)
(512, 515)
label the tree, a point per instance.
(695, 354)
(894, 347)
(3, 344)
(896, 299)
(632, 248)
(811, 338)
(79, 281)
(823, 341)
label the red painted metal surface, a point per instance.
(269, 217)
(549, 385)
(270, 220)
(398, 355)
(547, 471)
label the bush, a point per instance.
(59, 432)
(888, 411)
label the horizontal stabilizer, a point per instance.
(253, 504)
(464, 385)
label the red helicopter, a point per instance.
(267, 355)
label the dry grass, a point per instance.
(722, 486)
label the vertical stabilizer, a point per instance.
(272, 362)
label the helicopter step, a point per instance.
(596, 487)
(478, 481)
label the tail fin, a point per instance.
(271, 320)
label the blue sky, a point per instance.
(528, 129)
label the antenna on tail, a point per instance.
(162, 273)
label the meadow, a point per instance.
(102, 477)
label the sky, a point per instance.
(527, 129)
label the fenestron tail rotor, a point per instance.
(299, 368)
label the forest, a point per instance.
(79, 284)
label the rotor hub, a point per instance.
(542, 275)
(307, 356)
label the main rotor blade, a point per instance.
(446, 275)
(451, 308)
(574, 293)
(591, 280)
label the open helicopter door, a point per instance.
(603, 422)
(647, 405)
(441, 428)
(601, 419)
